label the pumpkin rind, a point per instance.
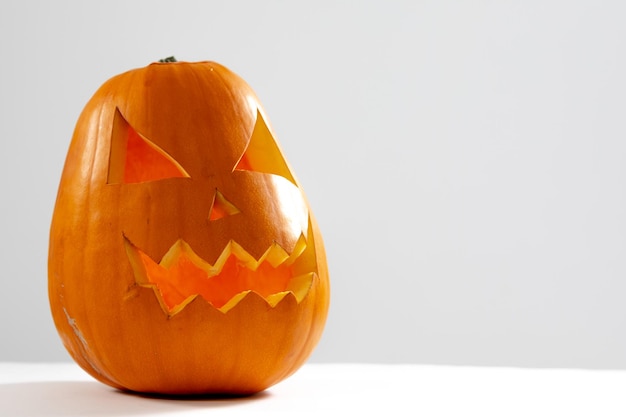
(115, 327)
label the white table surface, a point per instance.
(63, 389)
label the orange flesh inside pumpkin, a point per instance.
(182, 274)
(185, 278)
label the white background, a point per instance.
(465, 160)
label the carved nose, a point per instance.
(221, 207)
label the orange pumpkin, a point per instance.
(183, 255)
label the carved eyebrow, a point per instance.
(262, 153)
(134, 158)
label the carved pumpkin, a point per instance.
(183, 255)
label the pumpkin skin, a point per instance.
(183, 257)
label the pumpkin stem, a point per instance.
(168, 59)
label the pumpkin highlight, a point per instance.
(184, 257)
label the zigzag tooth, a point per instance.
(221, 260)
(234, 301)
(243, 256)
(179, 307)
(179, 249)
(275, 255)
(301, 285)
(276, 298)
(298, 248)
(174, 252)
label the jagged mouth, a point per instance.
(181, 275)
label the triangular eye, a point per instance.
(221, 207)
(135, 159)
(263, 154)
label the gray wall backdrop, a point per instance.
(465, 160)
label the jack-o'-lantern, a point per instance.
(183, 257)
